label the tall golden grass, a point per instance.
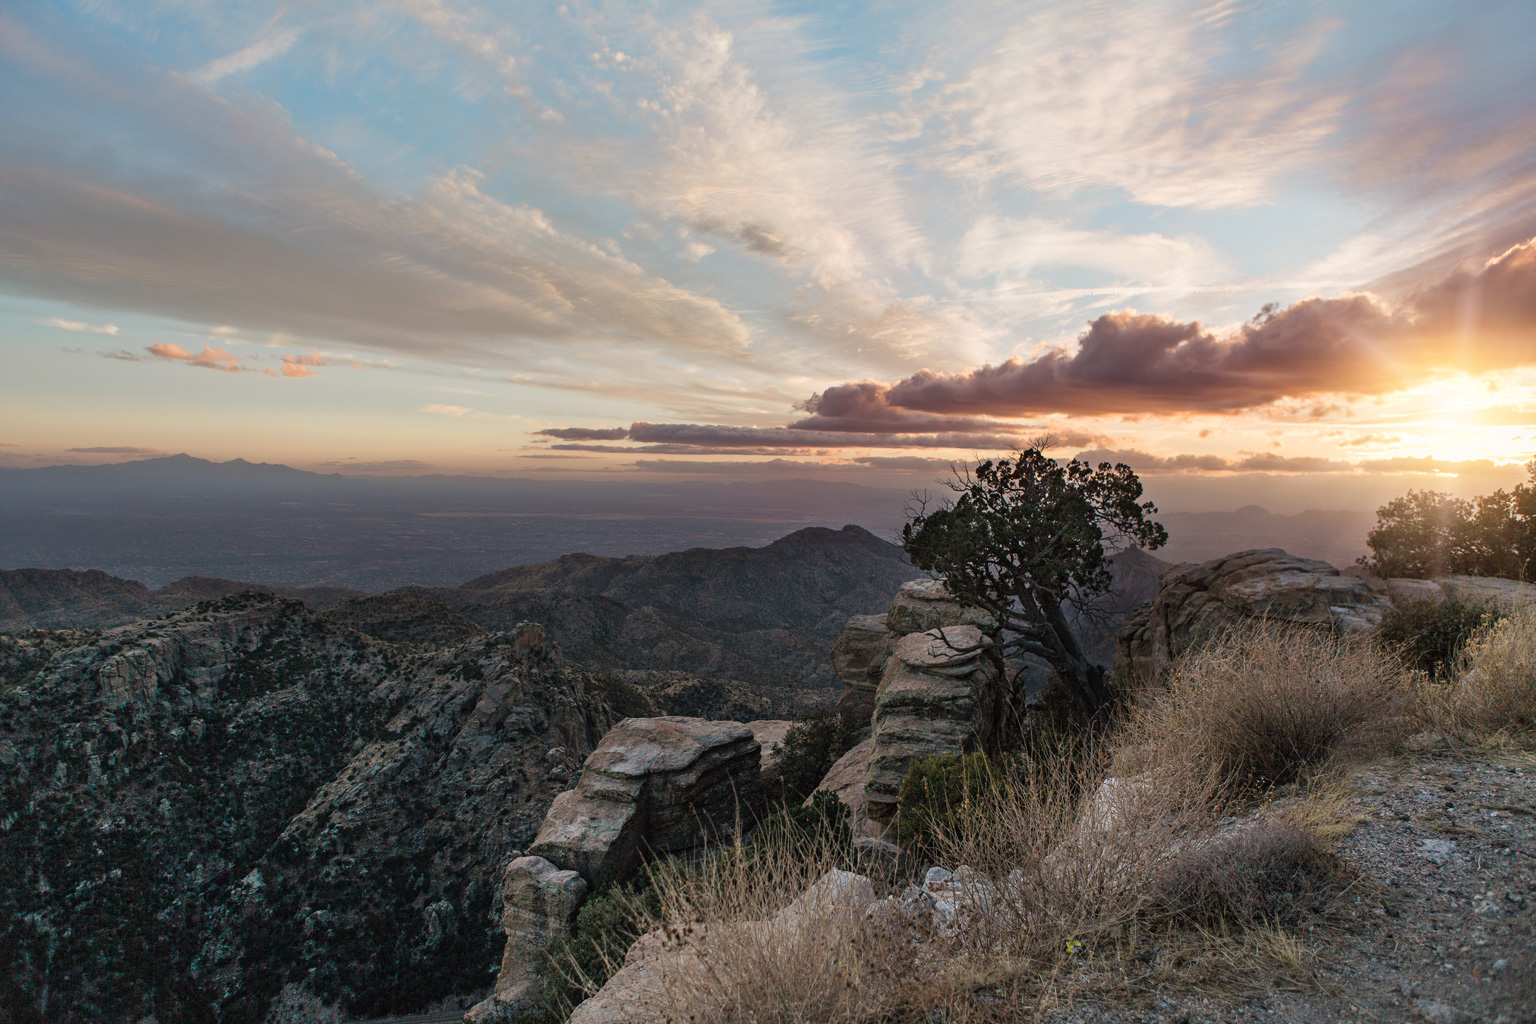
(1493, 697)
(1153, 857)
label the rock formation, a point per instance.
(1197, 603)
(652, 786)
(858, 660)
(541, 903)
(939, 695)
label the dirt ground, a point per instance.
(1438, 923)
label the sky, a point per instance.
(1248, 248)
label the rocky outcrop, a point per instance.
(862, 650)
(925, 604)
(939, 695)
(652, 786)
(541, 903)
(242, 792)
(1197, 603)
(1470, 588)
(858, 660)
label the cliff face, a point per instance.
(197, 810)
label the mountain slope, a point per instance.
(761, 615)
(65, 598)
(196, 810)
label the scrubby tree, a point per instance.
(1427, 533)
(1027, 539)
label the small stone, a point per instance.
(936, 876)
(1442, 1013)
(1427, 741)
(1500, 966)
(1437, 850)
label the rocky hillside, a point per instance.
(65, 598)
(197, 810)
(764, 616)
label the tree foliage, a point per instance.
(1028, 539)
(1426, 533)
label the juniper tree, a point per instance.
(1028, 540)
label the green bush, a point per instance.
(1429, 634)
(822, 824)
(607, 924)
(936, 794)
(813, 743)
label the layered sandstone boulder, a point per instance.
(921, 605)
(860, 655)
(540, 903)
(652, 786)
(858, 659)
(939, 695)
(1197, 603)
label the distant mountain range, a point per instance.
(159, 520)
(761, 617)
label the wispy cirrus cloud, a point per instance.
(78, 326)
(254, 55)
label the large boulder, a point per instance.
(1197, 603)
(1467, 588)
(540, 903)
(938, 696)
(921, 605)
(653, 785)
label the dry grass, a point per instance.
(1166, 875)
(1264, 706)
(750, 937)
(1494, 697)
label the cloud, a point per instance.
(115, 450)
(586, 433)
(772, 466)
(715, 435)
(904, 462)
(281, 236)
(456, 411)
(1129, 362)
(679, 449)
(1410, 464)
(78, 326)
(1268, 462)
(1071, 97)
(384, 466)
(259, 52)
(210, 357)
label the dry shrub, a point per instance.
(1495, 695)
(1258, 871)
(750, 936)
(1263, 705)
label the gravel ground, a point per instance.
(1439, 925)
